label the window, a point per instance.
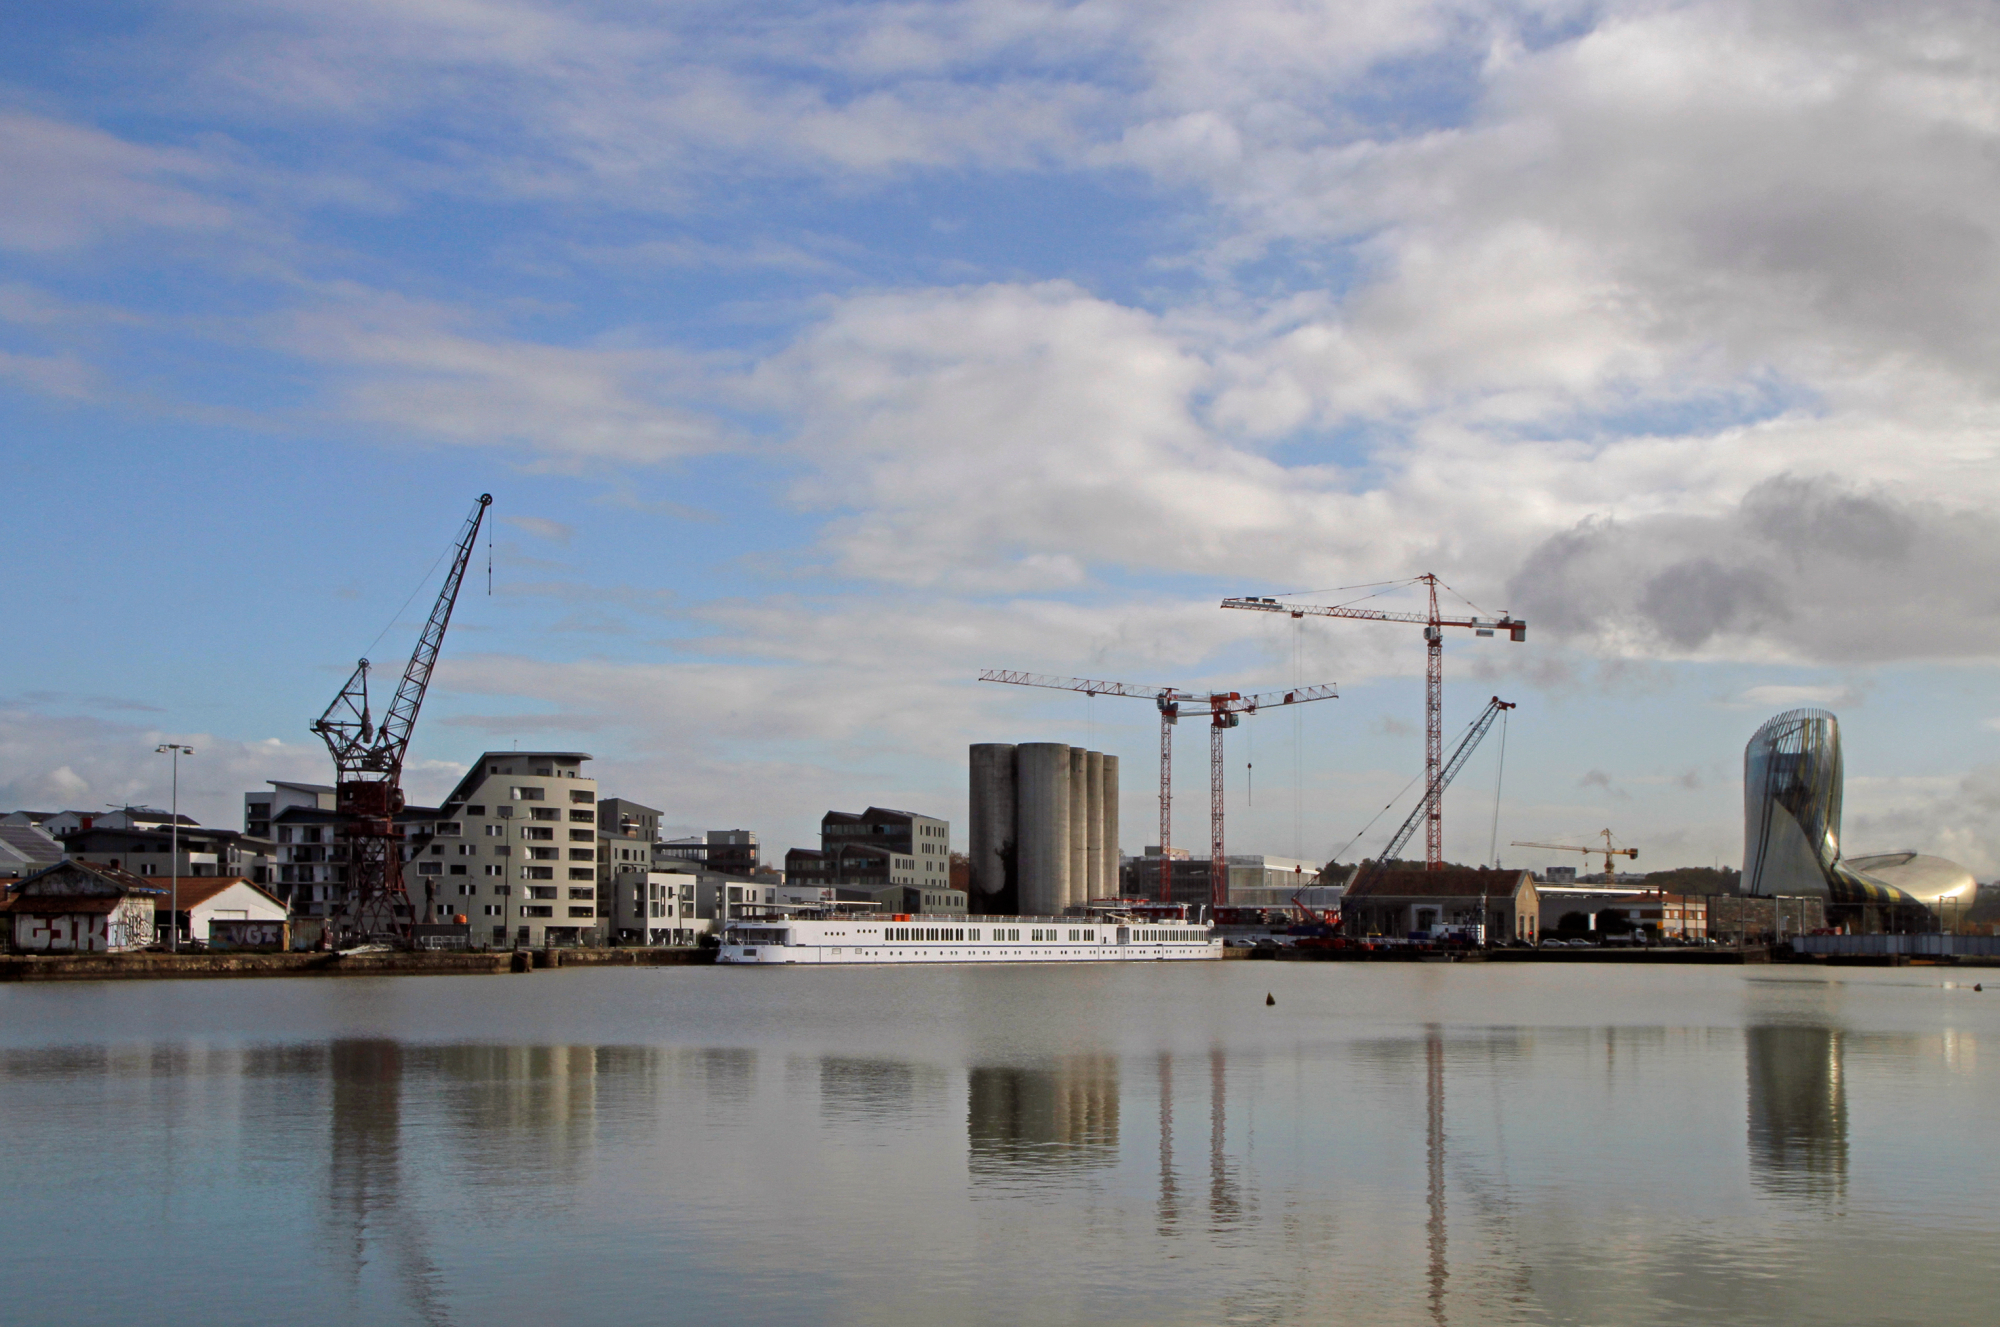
(579, 795)
(284, 834)
(546, 813)
(503, 850)
(582, 873)
(493, 909)
(543, 854)
(583, 912)
(525, 794)
(584, 817)
(533, 910)
(538, 873)
(457, 868)
(311, 834)
(430, 868)
(583, 854)
(437, 850)
(466, 891)
(541, 891)
(504, 812)
(537, 833)
(583, 893)
(502, 891)
(449, 829)
(581, 836)
(475, 810)
(546, 771)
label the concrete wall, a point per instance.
(1093, 827)
(1042, 827)
(991, 831)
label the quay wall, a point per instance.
(126, 967)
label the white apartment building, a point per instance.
(514, 849)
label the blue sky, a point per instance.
(818, 356)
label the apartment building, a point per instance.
(514, 847)
(641, 899)
(310, 871)
(150, 852)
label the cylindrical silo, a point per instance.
(1079, 826)
(1041, 827)
(993, 796)
(1093, 820)
(1112, 884)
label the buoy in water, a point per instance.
(1269, 998)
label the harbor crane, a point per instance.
(1225, 710)
(1589, 850)
(368, 769)
(1434, 622)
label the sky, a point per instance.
(818, 356)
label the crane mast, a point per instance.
(1225, 710)
(1434, 622)
(368, 768)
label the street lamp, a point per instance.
(174, 851)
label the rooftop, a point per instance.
(1448, 882)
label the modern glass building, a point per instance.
(1791, 826)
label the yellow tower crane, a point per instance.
(1608, 850)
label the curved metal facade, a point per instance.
(1791, 815)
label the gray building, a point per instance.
(261, 808)
(26, 848)
(875, 849)
(1044, 828)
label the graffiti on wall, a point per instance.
(73, 932)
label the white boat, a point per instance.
(937, 939)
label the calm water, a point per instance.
(1388, 1144)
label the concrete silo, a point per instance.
(1108, 790)
(992, 887)
(1042, 827)
(1093, 825)
(1079, 826)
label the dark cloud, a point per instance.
(1808, 568)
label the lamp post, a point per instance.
(174, 840)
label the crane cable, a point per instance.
(1499, 774)
(1406, 787)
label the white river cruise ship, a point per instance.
(936, 939)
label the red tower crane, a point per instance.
(1225, 710)
(1434, 624)
(368, 768)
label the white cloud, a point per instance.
(541, 527)
(415, 366)
(69, 185)
(1781, 696)
(56, 762)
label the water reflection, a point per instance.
(875, 1090)
(1798, 1111)
(1021, 1121)
(365, 1199)
(1434, 1228)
